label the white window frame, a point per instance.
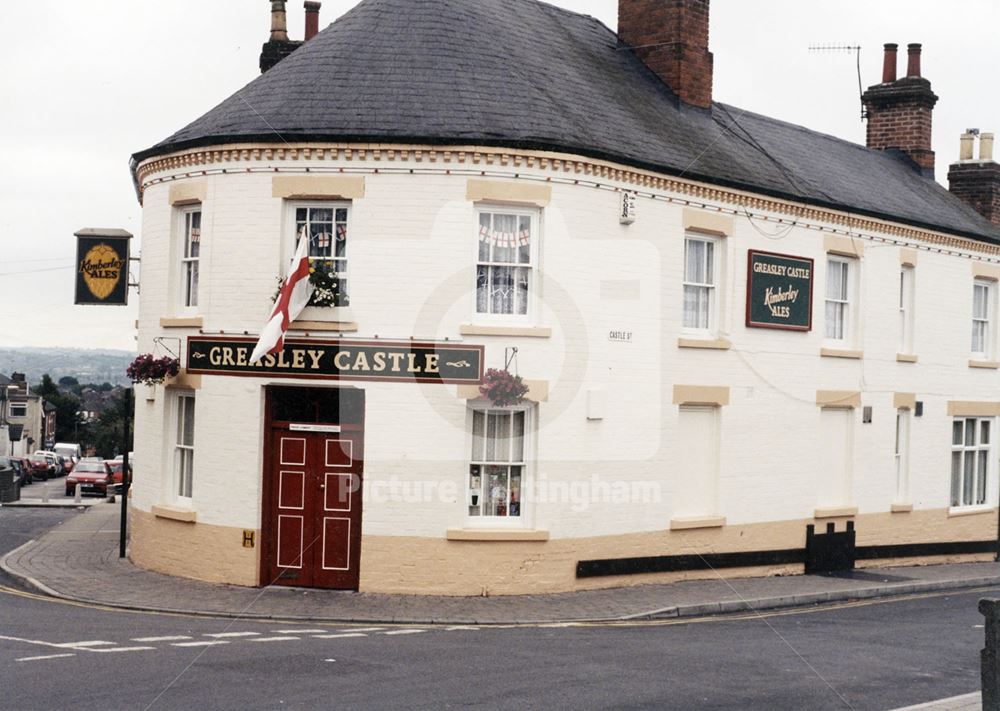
(850, 302)
(901, 454)
(534, 281)
(22, 405)
(985, 321)
(713, 287)
(971, 489)
(185, 263)
(291, 242)
(907, 304)
(178, 492)
(526, 464)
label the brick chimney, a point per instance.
(671, 38)
(278, 46)
(900, 111)
(977, 182)
(312, 19)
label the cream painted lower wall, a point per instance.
(423, 566)
(192, 550)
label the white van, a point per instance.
(70, 451)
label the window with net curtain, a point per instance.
(191, 255)
(496, 469)
(970, 457)
(838, 299)
(504, 269)
(982, 295)
(184, 444)
(326, 228)
(699, 283)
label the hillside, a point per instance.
(87, 366)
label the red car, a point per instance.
(41, 467)
(93, 476)
(116, 471)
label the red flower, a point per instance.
(503, 389)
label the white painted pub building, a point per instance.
(732, 328)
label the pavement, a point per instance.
(78, 560)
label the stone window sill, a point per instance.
(986, 364)
(335, 326)
(906, 358)
(175, 514)
(187, 322)
(687, 523)
(469, 329)
(486, 534)
(713, 344)
(841, 353)
(955, 511)
(835, 512)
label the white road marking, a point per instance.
(166, 638)
(339, 636)
(404, 631)
(84, 645)
(300, 631)
(219, 635)
(274, 639)
(363, 629)
(199, 644)
(45, 656)
(453, 628)
(120, 649)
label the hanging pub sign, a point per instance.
(779, 291)
(419, 362)
(102, 258)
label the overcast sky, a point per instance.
(86, 84)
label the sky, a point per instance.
(87, 84)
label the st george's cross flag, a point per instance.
(293, 297)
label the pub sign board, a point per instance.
(396, 361)
(779, 291)
(102, 259)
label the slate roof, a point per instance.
(524, 74)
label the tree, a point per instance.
(105, 435)
(67, 406)
(68, 381)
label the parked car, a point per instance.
(23, 471)
(57, 461)
(116, 471)
(17, 464)
(92, 474)
(42, 466)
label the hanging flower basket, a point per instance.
(149, 370)
(326, 285)
(503, 389)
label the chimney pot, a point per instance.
(279, 22)
(913, 65)
(986, 147)
(312, 19)
(889, 63)
(965, 146)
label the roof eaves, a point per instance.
(138, 158)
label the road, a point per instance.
(862, 656)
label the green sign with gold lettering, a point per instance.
(420, 362)
(779, 291)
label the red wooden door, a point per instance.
(314, 516)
